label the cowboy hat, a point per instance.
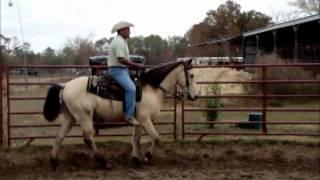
(121, 25)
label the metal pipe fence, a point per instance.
(264, 109)
(11, 112)
(172, 124)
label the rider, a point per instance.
(118, 64)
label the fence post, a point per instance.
(1, 105)
(175, 116)
(264, 98)
(7, 70)
(182, 119)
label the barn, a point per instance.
(297, 40)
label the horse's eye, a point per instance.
(191, 75)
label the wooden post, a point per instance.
(257, 45)
(175, 116)
(295, 29)
(182, 120)
(242, 47)
(274, 42)
(264, 99)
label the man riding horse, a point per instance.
(79, 105)
(118, 64)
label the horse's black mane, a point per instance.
(156, 75)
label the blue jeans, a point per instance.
(121, 76)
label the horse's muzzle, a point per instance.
(192, 98)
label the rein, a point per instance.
(172, 94)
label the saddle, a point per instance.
(105, 87)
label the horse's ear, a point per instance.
(189, 63)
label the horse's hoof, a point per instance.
(136, 162)
(108, 166)
(148, 157)
(54, 163)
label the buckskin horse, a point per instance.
(78, 105)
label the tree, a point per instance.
(251, 20)
(101, 45)
(81, 48)
(279, 16)
(199, 33)
(136, 44)
(50, 57)
(224, 22)
(178, 46)
(2, 54)
(68, 55)
(307, 6)
(31, 57)
(17, 51)
(155, 45)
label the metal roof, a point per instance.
(217, 41)
(283, 25)
(4, 38)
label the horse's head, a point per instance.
(166, 76)
(186, 81)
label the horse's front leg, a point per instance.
(154, 135)
(135, 141)
(151, 150)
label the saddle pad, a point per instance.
(107, 88)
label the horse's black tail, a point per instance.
(51, 108)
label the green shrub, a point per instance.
(215, 102)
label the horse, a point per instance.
(78, 105)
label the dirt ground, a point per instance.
(180, 160)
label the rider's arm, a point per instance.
(130, 64)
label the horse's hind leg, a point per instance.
(67, 123)
(135, 142)
(88, 133)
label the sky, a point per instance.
(50, 23)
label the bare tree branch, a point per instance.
(307, 6)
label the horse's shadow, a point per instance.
(78, 157)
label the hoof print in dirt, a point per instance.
(54, 164)
(136, 162)
(103, 163)
(148, 157)
(108, 166)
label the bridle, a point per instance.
(180, 96)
